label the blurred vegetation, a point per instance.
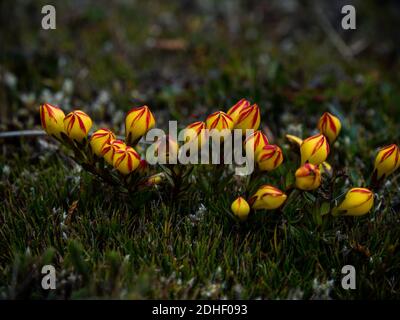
(184, 59)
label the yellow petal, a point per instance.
(77, 125)
(293, 139)
(329, 126)
(249, 118)
(99, 139)
(154, 179)
(357, 202)
(308, 177)
(137, 123)
(220, 122)
(52, 118)
(109, 149)
(314, 149)
(126, 160)
(387, 161)
(270, 158)
(257, 141)
(267, 197)
(235, 110)
(196, 133)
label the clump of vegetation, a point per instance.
(201, 231)
(119, 164)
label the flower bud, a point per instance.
(109, 149)
(77, 125)
(267, 197)
(249, 118)
(52, 119)
(99, 139)
(329, 126)
(308, 177)
(258, 140)
(314, 149)
(196, 133)
(269, 158)
(387, 161)
(357, 202)
(219, 120)
(234, 111)
(138, 122)
(240, 208)
(126, 160)
(155, 179)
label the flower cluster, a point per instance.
(314, 152)
(102, 150)
(122, 162)
(268, 157)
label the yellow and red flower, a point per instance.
(99, 139)
(329, 126)
(249, 118)
(196, 133)
(314, 149)
(357, 202)
(77, 125)
(257, 141)
(267, 197)
(126, 160)
(240, 208)
(235, 110)
(308, 177)
(220, 122)
(110, 148)
(269, 158)
(52, 118)
(138, 122)
(387, 161)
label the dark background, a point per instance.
(184, 58)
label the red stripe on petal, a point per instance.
(138, 116)
(147, 120)
(360, 190)
(50, 112)
(130, 163)
(241, 103)
(332, 124)
(71, 124)
(318, 145)
(388, 153)
(245, 113)
(81, 125)
(278, 158)
(253, 123)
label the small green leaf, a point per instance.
(325, 208)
